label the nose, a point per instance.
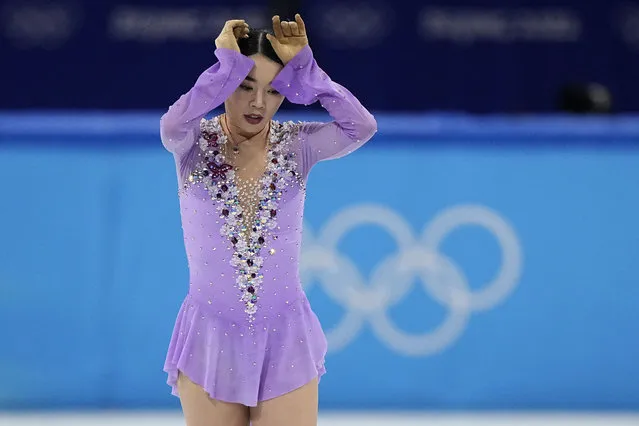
(258, 100)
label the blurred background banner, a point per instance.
(455, 263)
(479, 56)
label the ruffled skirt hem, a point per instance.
(236, 366)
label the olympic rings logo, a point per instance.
(392, 278)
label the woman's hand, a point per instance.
(290, 37)
(232, 31)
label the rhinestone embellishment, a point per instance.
(246, 226)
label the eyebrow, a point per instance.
(251, 79)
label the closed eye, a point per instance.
(245, 87)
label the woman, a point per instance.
(246, 344)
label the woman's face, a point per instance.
(252, 106)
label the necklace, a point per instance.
(235, 146)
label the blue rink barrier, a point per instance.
(475, 263)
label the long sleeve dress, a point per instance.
(245, 331)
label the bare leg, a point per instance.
(296, 408)
(200, 410)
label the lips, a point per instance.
(253, 118)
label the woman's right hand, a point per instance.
(232, 31)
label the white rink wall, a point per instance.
(173, 418)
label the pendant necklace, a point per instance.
(235, 147)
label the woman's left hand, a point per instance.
(290, 37)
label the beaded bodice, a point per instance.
(247, 194)
(245, 211)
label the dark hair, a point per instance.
(256, 42)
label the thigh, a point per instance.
(200, 410)
(296, 408)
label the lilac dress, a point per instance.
(245, 331)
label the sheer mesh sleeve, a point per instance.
(303, 82)
(180, 125)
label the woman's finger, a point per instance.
(286, 29)
(274, 41)
(277, 27)
(241, 31)
(294, 30)
(300, 24)
(230, 25)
